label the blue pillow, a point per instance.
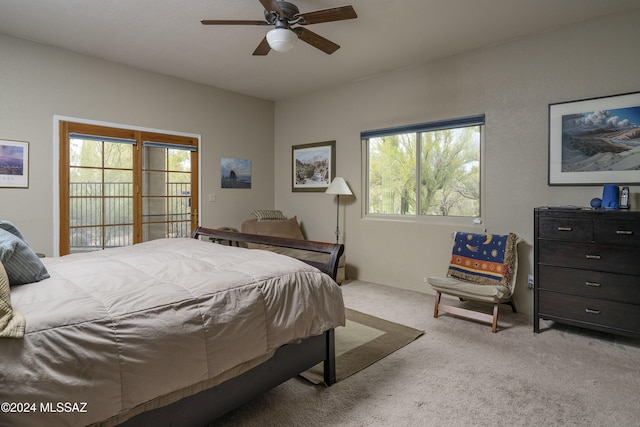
(21, 263)
(11, 228)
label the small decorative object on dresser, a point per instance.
(587, 269)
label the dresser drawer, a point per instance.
(574, 229)
(592, 284)
(590, 311)
(617, 232)
(609, 258)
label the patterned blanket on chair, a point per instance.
(486, 259)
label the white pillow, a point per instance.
(269, 215)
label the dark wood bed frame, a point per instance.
(288, 361)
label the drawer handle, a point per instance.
(624, 232)
(594, 284)
(593, 256)
(565, 229)
(591, 311)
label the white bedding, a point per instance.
(150, 323)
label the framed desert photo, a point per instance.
(14, 164)
(313, 166)
(595, 141)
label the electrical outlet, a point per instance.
(530, 281)
(425, 279)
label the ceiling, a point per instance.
(166, 36)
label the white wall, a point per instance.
(512, 84)
(38, 82)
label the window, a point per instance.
(166, 190)
(426, 169)
(119, 187)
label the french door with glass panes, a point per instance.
(119, 186)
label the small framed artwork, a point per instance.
(14, 164)
(313, 166)
(595, 141)
(235, 173)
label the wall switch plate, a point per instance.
(530, 281)
(212, 198)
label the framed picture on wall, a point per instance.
(235, 173)
(14, 164)
(313, 166)
(595, 141)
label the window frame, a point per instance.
(467, 121)
(60, 132)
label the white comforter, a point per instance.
(116, 329)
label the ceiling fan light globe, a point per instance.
(282, 39)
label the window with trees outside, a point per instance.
(119, 186)
(428, 169)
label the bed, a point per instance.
(167, 332)
(289, 228)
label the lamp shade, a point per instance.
(339, 187)
(282, 39)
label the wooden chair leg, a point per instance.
(435, 307)
(494, 324)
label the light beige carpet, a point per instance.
(364, 340)
(460, 374)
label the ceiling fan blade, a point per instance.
(328, 15)
(263, 48)
(315, 40)
(272, 6)
(232, 22)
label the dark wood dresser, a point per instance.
(587, 268)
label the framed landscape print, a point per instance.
(235, 173)
(14, 164)
(595, 141)
(313, 166)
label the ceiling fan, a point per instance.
(284, 16)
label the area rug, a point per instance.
(364, 340)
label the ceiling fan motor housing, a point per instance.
(290, 10)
